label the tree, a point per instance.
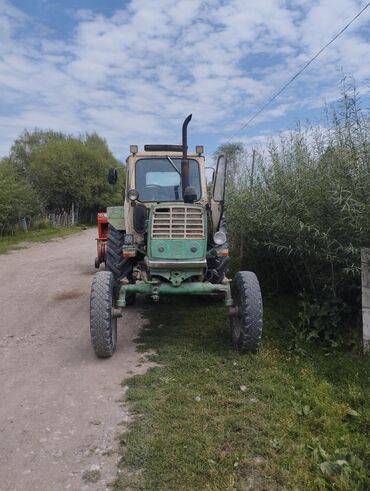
(66, 170)
(17, 197)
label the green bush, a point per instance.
(48, 171)
(18, 198)
(66, 170)
(301, 217)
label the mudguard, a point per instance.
(116, 217)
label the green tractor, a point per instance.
(169, 238)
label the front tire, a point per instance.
(103, 325)
(246, 320)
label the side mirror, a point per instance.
(112, 176)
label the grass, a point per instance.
(209, 419)
(91, 476)
(9, 242)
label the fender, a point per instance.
(115, 217)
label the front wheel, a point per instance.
(247, 313)
(103, 323)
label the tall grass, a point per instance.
(301, 214)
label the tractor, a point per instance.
(169, 238)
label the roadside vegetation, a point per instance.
(207, 418)
(50, 172)
(17, 240)
(298, 215)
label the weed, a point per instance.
(207, 418)
(91, 476)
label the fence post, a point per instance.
(365, 283)
(73, 215)
(24, 224)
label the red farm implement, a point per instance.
(101, 241)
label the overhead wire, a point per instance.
(296, 75)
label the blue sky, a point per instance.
(132, 70)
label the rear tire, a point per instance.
(103, 326)
(246, 322)
(119, 266)
(116, 263)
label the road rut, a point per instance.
(59, 404)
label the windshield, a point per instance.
(159, 179)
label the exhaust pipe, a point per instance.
(187, 192)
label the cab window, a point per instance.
(159, 179)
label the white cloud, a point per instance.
(134, 75)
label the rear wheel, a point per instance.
(118, 265)
(103, 323)
(246, 318)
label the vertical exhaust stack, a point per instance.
(188, 192)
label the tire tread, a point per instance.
(115, 262)
(247, 286)
(101, 314)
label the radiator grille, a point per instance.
(178, 222)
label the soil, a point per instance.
(60, 407)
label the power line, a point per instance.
(291, 80)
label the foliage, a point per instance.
(207, 418)
(326, 321)
(50, 171)
(18, 199)
(67, 170)
(302, 218)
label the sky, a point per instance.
(132, 70)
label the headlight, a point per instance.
(133, 194)
(219, 238)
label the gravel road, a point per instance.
(59, 404)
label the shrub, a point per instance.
(18, 199)
(300, 219)
(66, 170)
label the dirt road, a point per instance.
(59, 404)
